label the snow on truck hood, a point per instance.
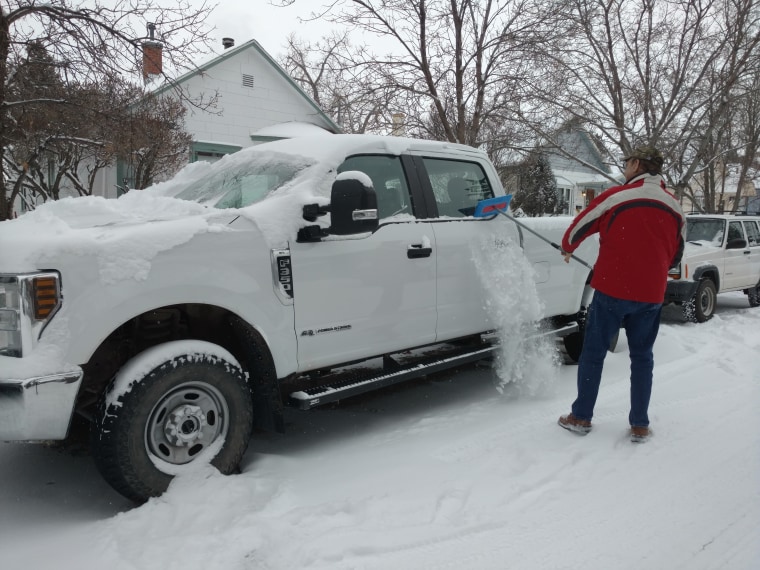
(134, 228)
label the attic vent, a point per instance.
(247, 80)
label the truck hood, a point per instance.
(699, 251)
(124, 235)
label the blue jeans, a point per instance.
(641, 322)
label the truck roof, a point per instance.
(325, 145)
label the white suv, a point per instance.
(721, 254)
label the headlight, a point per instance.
(10, 321)
(27, 303)
(680, 271)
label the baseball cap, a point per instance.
(649, 153)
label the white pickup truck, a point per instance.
(721, 254)
(297, 272)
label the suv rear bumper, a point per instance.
(680, 291)
(38, 408)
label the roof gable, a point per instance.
(268, 59)
(577, 142)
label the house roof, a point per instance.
(230, 52)
(576, 178)
(287, 130)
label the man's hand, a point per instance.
(567, 256)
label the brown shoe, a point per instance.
(575, 425)
(640, 434)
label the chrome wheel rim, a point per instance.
(707, 302)
(185, 421)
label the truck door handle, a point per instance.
(415, 251)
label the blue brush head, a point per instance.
(492, 206)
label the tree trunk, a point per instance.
(6, 206)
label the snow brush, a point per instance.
(492, 206)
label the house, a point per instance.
(579, 179)
(257, 101)
(727, 182)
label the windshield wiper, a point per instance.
(696, 243)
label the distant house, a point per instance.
(726, 184)
(257, 101)
(577, 181)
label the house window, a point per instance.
(210, 152)
(248, 80)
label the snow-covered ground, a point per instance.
(444, 472)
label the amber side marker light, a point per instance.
(45, 297)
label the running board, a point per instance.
(312, 397)
(564, 330)
(339, 390)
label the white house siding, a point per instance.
(243, 110)
(577, 183)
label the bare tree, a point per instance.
(664, 73)
(56, 147)
(453, 66)
(153, 141)
(350, 93)
(89, 41)
(745, 134)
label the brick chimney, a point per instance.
(152, 55)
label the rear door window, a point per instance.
(457, 186)
(753, 233)
(735, 231)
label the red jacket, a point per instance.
(641, 235)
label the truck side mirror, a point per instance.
(353, 205)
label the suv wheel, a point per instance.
(701, 306)
(754, 296)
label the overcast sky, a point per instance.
(244, 20)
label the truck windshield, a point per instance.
(707, 230)
(242, 184)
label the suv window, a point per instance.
(388, 179)
(753, 233)
(705, 229)
(457, 186)
(735, 231)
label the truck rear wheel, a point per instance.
(701, 306)
(170, 407)
(754, 296)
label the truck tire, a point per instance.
(573, 344)
(701, 306)
(754, 296)
(169, 407)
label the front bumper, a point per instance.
(680, 291)
(38, 408)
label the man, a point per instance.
(641, 235)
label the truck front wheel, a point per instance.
(701, 306)
(170, 407)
